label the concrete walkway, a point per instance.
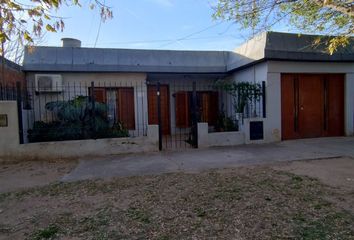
(194, 160)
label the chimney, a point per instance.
(71, 42)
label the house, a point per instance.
(10, 73)
(308, 93)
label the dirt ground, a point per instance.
(20, 175)
(338, 173)
(284, 201)
(335, 172)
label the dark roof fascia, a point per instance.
(247, 65)
(115, 69)
(147, 72)
(284, 60)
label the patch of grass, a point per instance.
(200, 212)
(163, 238)
(138, 215)
(296, 178)
(230, 193)
(4, 196)
(321, 205)
(256, 203)
(95, 222)
(328, 226)
(46, 233)
(4, 228)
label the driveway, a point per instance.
(195, 160)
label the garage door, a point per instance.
(312, 105)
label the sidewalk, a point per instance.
(194, 160)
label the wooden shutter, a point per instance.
(165, 107)
(208, 106)
(152, 104)
(204, 103)
(182, 109)
(213, 108)
(100, 95)
(126, 109)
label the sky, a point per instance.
(150, 24)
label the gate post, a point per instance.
(194, 116)
(19, 110)
(92, 98)
(264, 99)
(159, 114)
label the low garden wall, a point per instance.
(214, 139)
(11, 149)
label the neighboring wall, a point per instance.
(12, 73)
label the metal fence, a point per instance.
(76, 111)
(184, 103)
(91, 110)
(8, 92)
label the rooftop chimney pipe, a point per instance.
(71, 42)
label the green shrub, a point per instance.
(226, 124)
(76, 119)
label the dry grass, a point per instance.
(244, 203)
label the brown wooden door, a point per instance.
(312, 105)
(182, 109)
(289, 106)
(165, 107)
(125, 105)
(334, 100)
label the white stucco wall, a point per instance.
(218, 139)
(257, 74)
(270, 72)
(11, 150)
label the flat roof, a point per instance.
(266, 46)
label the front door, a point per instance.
(165, 107)
(312, 105)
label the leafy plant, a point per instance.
(333, 18)
(243, 93)
(225, 123)
(46, 233)
(80, 118)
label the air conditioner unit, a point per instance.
(48, 83)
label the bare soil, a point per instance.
(20, 175)
(338, 173)
(262, 202)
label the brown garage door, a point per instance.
(312, 105)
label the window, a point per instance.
(120, 104)
(207, 107)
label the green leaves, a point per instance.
(242, 93)
(22, 22)
(330, 17)
(49, 28)
(76, 119)
(27, 37)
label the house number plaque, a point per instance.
(3, 120)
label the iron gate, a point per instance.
(178, 135)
